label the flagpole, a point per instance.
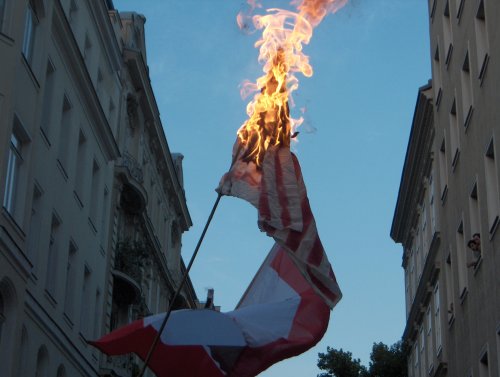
(183, 281)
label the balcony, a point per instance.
(122, 366)
(133, 194)
(130, 259)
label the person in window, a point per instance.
(475, 245)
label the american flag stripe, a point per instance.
(280, 186)
(285, 214)
(306, 244)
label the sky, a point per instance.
(369, 60)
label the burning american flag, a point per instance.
(264, 171)
(285, 310)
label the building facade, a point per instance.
(447, 211)
(93, 205)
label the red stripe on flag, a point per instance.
(264, 209)
(296, 166)
(319, 284)
(280, 186)
(294, 238)
(316, 254)
(166, 361)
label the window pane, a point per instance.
(29, 34)
(2, 13)
(10, 183)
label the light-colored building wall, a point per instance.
(451, 182)
(78, 127)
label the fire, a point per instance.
(280, 51)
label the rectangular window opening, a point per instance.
(492, 192)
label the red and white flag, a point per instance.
(279, 316)
(285, 310)
(278, 192)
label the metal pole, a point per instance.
(184, 278)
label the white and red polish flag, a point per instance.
(277, 190)
(279, 316)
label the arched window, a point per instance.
(2, 316)
(8, 305)
(61, 371)
(23, 355)
(2, 13)
(42, 362)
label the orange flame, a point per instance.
(280, 51)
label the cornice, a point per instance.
(416, 167)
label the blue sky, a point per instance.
(369, 60)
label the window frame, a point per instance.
(31, 22)
(14, 161)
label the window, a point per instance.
(481, 40)
(447, 36)
(48, 94)
(8, 309)
(430, 352)
(443, 170)
(111, 113)
(484, 367)
(70, 280)
(104, 217)
(42, 362)
(437, 319)
(72, 14)
(432, 188)
(52, 259)
(2, 13)
(422, 348)
(436, 77)
(412, 276)
(81, 167)
(35, 223)
(467, 99)
(474, 211)
(97, 314)
(87, 50)
(460, 8)
(30, 25)
(425, 230)
(410, 364)
(454, 135)
(449, 290)
(157, 308)
(15, 176)
(432, 7)
(85, 302)
(99, 83)
(416, 360)
(151, 291)
(491, 178)
(2, 317)
(14, 161)
(65, 135)
(418, 256)
(498, 348)
(23, 354)
(461, 260)
(94, 198)
(61, 371)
